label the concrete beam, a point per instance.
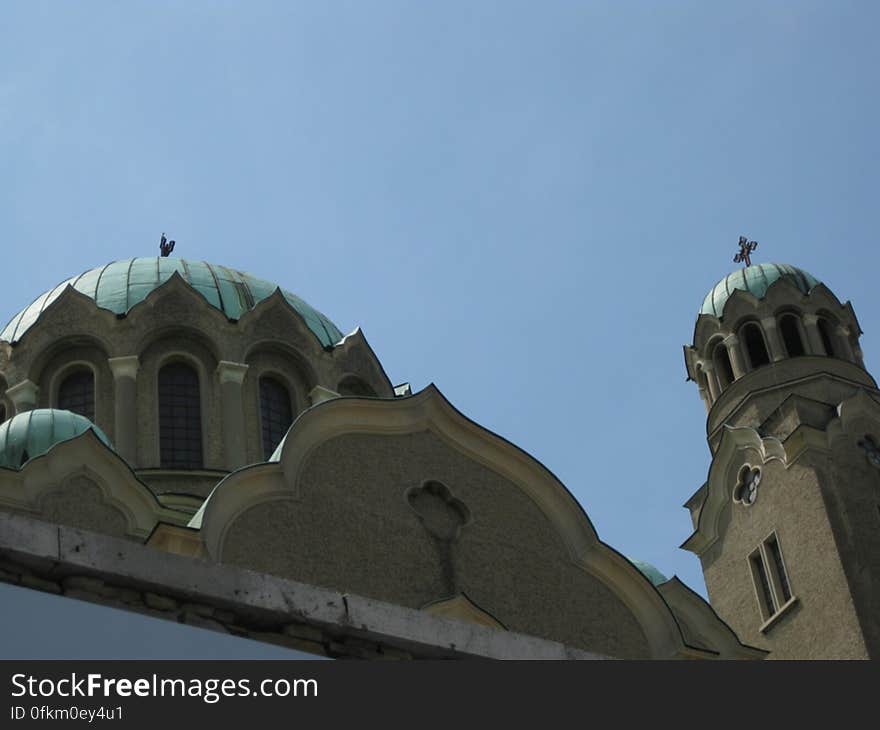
(121, 573)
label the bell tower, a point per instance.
(787, 525)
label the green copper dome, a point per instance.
(121, 285)
(649, 571)
(755, 280)
(33, 433)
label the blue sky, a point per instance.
(523, 203)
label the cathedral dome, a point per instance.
(756, 280)
(33, 433)
(121, 285)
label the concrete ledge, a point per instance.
(109, 571)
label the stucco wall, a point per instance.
(352, 529)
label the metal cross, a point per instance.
(165, 246)
(745, 251)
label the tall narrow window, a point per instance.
(779, 568)
(180, 417)
(2, 413)
(77, 393)
(722, 365)
(755, 346)
(771, 580)
(275, 413)
(827, 336)
(791, 335)
(759, 572)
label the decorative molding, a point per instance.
(124, 367)
(736, 445)
(231, 372)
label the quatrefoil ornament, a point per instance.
(872, 450)
(746, 490)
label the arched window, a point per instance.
(755, 347)
(826, 332)
(77, 393)
(791, 335)
(180, 417)
(275, 413)
(723, 369)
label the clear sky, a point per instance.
(523, 203)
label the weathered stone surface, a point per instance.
(32, 581)
(160, 603)
(83, 583)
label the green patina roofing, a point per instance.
(123, 284)
(755, 280)
(649, 571)
(33, 433)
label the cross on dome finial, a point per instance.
(165, 246)
(745, 251)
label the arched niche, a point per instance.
(83, 359)
(277, 362)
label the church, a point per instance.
(188, 441)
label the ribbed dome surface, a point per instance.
(33, 433)
(123, 284)
(756, 280)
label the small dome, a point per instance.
(755, 280)
(33, 433)
(649, 571)
(123, 284)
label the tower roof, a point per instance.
(121, 285)
(33, 433)
(756, 280)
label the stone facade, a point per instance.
(376, 499)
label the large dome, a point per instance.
(123, 284)
(756, 280)
(33, 433)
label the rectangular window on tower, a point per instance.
(771, 582)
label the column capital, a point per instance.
(231, 372)
(319, 394)
(810, 318)
(769, 323)
(124, 367)
(731, 340)
(23, 395)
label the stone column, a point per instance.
(842, 332)
(814, 338)
(231, 375)
(709, 369)
(125, 409)
(23, 396)
(774, 342)
(731, 342)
